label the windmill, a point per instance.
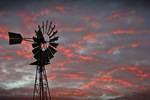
(44, 47)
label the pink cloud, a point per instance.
(2, 13)
(88, 17)
(61, 8)
(79, 28)
(117, 14)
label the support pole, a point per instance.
(41, 88)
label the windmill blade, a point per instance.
(38, 40)
(39, 63)
(15, 41)
(54, 44)
(39, 33)
(35, 44)
(53, 33)
(14, 38)
(14, 35)
(43, 26)
(50, 55)
(46, 26)
(36, 49)
(35, 63)
(46, 63)
(38, 55)
(44, 58)
(54, 39)
(53, 51)
(49, 27)
(51, 30)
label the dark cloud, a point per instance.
(135, 96)
(103, 50)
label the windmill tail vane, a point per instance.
(44, 47)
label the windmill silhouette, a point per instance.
(44, 48)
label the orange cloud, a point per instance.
(74, 76)
(2, 13)
(66, 51)
(5, 36)
(8, 57)
(110, 78)
(3, 29)
(61, 8)
(88, 17)
(138, 71)
(144, 88)
(24, 53)
(60, 64)
(74, 92)
(79, 28)
(133, 45)
(46, 12)
(1, 47)
(105, 78)
(4, 76)
(63, 68)
(30, 18)
(117, 14)
(51, 77)
(142, 75)
(124, 82)
(95, 24)
(75, 45)
(139, 19)
(115, 48)
(96, 52)
(120, 31)
(87, 58)
(91, 36)
(86, 86)
(88, 37)
(114, 16)
(65, 29)
(19, 67)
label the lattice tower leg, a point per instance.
(41, 88)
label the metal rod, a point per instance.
(40, 87)
(29, 40)
(47, 86)
(35, 82)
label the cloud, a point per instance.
(102, 53)
(2, 13)
(61, 8)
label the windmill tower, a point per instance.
(44, 48)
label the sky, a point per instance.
(103, 51)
